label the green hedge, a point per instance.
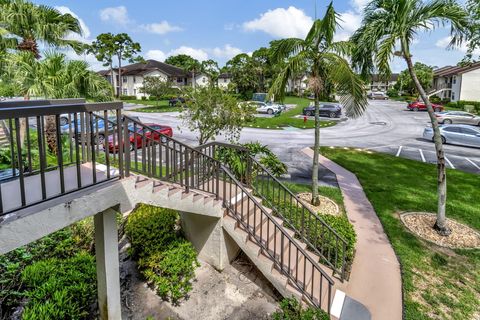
(166, 259)
(128, 97)
(60, 288)
(462, 103)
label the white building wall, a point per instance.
(223, 83)
(470, 86)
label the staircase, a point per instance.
(291, 245)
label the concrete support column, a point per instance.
(108, 273)
(207, 236)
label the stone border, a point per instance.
(315, 210)
(404, 214)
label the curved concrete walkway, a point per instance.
(375, 280)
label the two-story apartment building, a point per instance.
(378, 83)
(133, 75)
(457, 82)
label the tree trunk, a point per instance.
(120, 81)
(316, 153)
(112, 80)
(193, 79)
(441, 223)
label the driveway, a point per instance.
(385, 127)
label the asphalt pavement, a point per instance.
(385, 127)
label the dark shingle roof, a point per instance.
(377, 77)
(454, 70)
(150, 65)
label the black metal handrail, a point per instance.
(38, 144)
(282, 259)
(286, 205)
(192, 168)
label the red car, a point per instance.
(137, 139)
(420, 106)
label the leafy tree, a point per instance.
(243, 75)
(328, 69)
(473, 36)
(212, 112)
(103, 50)
(108, 46)
(25, 24)
(387, 23)
(181, 60)
(156, 87)
(210, 68)
(424, 75)
(194, 67)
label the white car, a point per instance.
(458, 134)
(268, 108)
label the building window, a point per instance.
(125, 92)
(124, 79)
(454, 79)
(453, 96)
(134, 92)
(179, 80)
(134, 79)
(204, 80)
(225, 80)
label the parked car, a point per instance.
(377, 96)
(172, 102)
(269, 108)
(137, 139)
(330, 110)
(98, 128)
(459, 134)
(420, 106)
(460, 117)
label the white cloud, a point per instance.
(281, 23)
(226, 51)
(359, 5)
(156, 55)
(160, 28)
(199, 54)
(349, 22)
(85, 30)
(444, 42)
(117, 15)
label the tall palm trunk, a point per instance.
(120, 80)
(316, 153)
(441, 223)
(193, 79)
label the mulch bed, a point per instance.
(327, 206)
(421, 224)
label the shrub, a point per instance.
(60, 289)
(392, 93)
(151, 229)
(291, 309)
(144, 98)
(170, 271)
(345, 229)
(128, 97)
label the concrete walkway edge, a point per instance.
(375, 280)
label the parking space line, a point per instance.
(448, 161)
(473, 163)
(399, 151)
(421, 155)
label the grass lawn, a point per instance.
(285, 118)
(154, 106)
(438, 283)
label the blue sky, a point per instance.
(219, 29)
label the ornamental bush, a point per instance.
(170, 271)
(151, 229)
(165, 258)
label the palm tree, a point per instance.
(389, 25)
(55, 77)
(194, 66)
(328, 70)
(28, 24)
